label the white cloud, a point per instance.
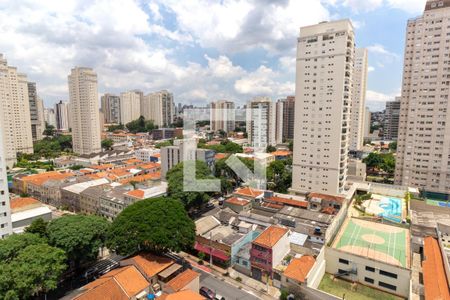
(223, 67)
(376, 101)
(380, 49)
(154, 8)
(410, 6)
(262, 82)
(362, 5)
(370, 69)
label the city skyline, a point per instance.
(158, 46)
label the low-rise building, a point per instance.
(268, 250)
(238, 204)
(25, 210)
(71, 195)
(296, 272)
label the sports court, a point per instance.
(385, 243)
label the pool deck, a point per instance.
(372, 206)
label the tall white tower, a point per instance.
(423, 152)
(5, 210)
(325, 57)
(84, 112)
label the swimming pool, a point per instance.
(392, 208)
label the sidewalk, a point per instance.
(247, 284)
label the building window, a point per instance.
(388, 274)
(387, 285)
(369, 280)
(343, 261)
(370, 269)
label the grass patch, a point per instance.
(339, 287)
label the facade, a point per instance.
(36, 112)
(288, 117)
(62, 116)
(358, 99)
(50, 116)
(25, 210)
(130, 106)
(5, 211)
(110, 106)
(261, 122)
(15, 120)
(325, 57)
(279, 121)
(367, 122)
(84, 111)
(159, 108)
(173, 155)
(223, 116)
(423, 157)
(268, 250)
(391, 120)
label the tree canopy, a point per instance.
(113, 128)
(51, 147)
(381, 161)
(140, 125)
(225, 146)
(176, 186)
(28, 266)
(39, 227)
(279, 175)
(107, 144)
(158, 225)
(49, 130)
(79, 236)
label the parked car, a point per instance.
(208, 293)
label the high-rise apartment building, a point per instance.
(130, 106)
(15, 120)
(159, 107)
(279, 121)
(367, 122)
(223, 116)
(261, 122)
(288, 115)
(84, 109)
(358, 99)
(5, 209)
(50, 116)
(325, 57)
(110, 106)
(423, 153)
(391, 120)
(37, 121)
(62, 115)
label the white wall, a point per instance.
(280, 250)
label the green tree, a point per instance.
(158, 225)
(49, 130)
(164, 144)
(39, 227)
(279, 175)
(113, 128)
(107, 144)
(36, 269)
(270, 149)
(291, 145)
(140, 125)
(393, 146)
(176, 185)
(79, 236)
(11, 246)
(373, 160)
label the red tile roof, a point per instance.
(183, 295)
(326, 197)
(182, 280)
(281, 153)
(150, 264)
(237, 201)
(221, 155)
(270, 236)
(19, 203)
(435, 280)
(299, 268)
(248, 192)
(290, 202)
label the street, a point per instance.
(226, 290)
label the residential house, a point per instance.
(187, 280)
(25, 210)
(238, 204)
(296, 272)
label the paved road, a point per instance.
(226, 290)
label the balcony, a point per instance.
(267, 255)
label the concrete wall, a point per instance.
(359, 263)
(280, 250)
(248, 238)
(318, 270)
(337, 222)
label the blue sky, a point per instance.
(201, 50)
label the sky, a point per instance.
(200, 50)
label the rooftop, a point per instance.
(249, 192)
(80, 187)
(149, 264)
(39, 179)
(287, 201)
(385, 243)
(182, 279)
(237, 201)
(435, 280)
(299, 268)
(18, 204)
(270, 236)
(326, 197)
(182, 295)
(155, 191)
(205, 224)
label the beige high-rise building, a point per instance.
(261, 122)
(423, 153)
(110, 106)
(5, 209)
(286, 111)
(358, 99)
(130, 106)
(279, 121)
(15, 118)
(84, 115)
(223, 116)
(159, 108)
(367, 122)
(62, 115)
(325, 57)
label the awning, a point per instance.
(215, 253)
